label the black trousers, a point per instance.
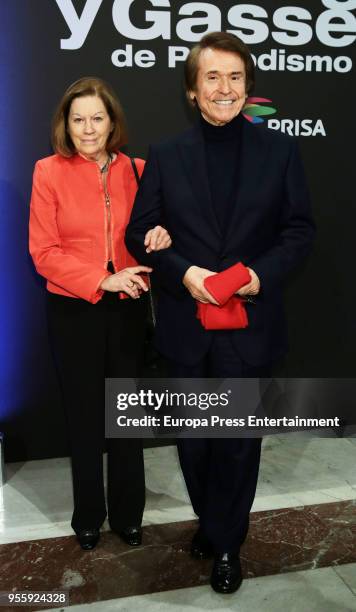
(91, 342)
(221, 474)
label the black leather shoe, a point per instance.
(131, 535)
(88, 538)
(226, 576)
(201, 547)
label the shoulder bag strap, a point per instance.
(152, 305)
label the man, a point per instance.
(227, 192)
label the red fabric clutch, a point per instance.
(230, 316)
(224, 284)
(231, 312)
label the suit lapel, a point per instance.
(193, 155)
(253, 153)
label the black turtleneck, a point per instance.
(222, 146)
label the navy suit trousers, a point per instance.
(221, 474)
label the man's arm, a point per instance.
(169, 265)
(297, 229)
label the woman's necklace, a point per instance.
(105, 167)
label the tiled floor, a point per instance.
(304, 517)
(321, 590)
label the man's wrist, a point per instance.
(187, 273)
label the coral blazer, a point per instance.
(69, 222)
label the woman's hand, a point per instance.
(127, 280)
(157, 239)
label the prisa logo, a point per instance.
(253, 111)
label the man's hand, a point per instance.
(253, 287)
(193, 280)
(157, 239)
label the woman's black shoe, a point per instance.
(88, 538)
(131, 535)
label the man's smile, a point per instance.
(224, 102)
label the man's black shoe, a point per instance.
(201, 547)
(226, 576)
(131, 535)
(88, 538)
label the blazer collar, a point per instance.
(79, 160)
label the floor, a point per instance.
(300, 553)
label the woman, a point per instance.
(81, 203)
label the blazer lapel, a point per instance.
(192, 152)
(252, 157)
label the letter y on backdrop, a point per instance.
(79, 26)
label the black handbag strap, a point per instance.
(134, 167)
(152, 304)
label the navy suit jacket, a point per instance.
(270, 230)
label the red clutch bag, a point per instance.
(230, 316)
(224, 284)
(231, 312)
